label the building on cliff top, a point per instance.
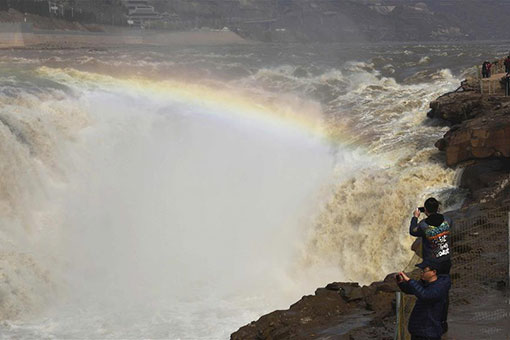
(139, 12)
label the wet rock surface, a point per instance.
(478, 138)
(341, 310)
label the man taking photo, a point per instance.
(431, 293)
(434, 231)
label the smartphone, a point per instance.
(421, 209)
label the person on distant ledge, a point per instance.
(434, 231)
(432, 295)
(507, 64)
(484, 69)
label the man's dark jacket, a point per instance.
(435, 234)
(425, 319)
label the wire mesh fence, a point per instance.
(480, 253)
(405, 303)
(480, 260)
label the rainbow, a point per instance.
(227, 103)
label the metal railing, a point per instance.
(492, 86)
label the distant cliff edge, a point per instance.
(300, 20)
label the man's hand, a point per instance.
(417, 213)
(404, 277)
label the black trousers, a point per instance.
(414, 337)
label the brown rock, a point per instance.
(485, 177)
(325, 311)
(369, 290)
(482, 152)
(441, 144)
(470, 84)
(389, 284)
(477, 139)
(350, 291)
(341, 285)
(381, 303)
(356, 294)
(457, 106)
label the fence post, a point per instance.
(397, 310)
(480, 79)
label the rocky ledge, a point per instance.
(478, 142)
(341, 310)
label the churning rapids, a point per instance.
(181, 193)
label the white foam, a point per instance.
(165, 222)
(169, 221)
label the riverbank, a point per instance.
(477, 145)
(21, 35)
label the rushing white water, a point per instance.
(129, 211)
(162, 212)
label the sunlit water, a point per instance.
(181, 193)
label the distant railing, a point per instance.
(489, 86)
(496, 67)
(480, 260)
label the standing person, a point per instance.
(489, 65)
(507, 64)
(434, 231)
(431, 293)
(484, 69)
(507, 84)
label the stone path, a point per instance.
(486, 318)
